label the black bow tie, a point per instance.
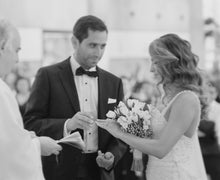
(80, 71)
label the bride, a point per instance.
(174, 151)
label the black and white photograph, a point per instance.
(110, 90)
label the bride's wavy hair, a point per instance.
(177, 64)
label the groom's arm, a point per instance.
(36, 116)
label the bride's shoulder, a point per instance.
(187, 98)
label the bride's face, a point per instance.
(154, 69)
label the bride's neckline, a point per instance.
(170, 100)
(165, 109)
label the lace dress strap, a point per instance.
(174, 98)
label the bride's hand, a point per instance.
(109, 125)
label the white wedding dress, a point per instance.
(183, 162)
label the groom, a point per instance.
(68, 97)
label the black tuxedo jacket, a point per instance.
(52, 101)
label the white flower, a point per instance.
(129, 119)
(123, 122)
(135, 110)
(121, 104)
(134, 117)
(130, 103)
(146, 124)
(142, 114)
(146, 115)
(139, 105)
(111, 114)
(124, 110)
(150, 107)
(135, 101)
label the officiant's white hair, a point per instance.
(6, 32)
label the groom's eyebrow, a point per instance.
(98, 44)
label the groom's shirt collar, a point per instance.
(75, 65)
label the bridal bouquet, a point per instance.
(135, 119)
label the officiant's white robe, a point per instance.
(19, 152)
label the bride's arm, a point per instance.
(182, 113)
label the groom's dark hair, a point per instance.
(85, 23)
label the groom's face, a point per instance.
(90, 50)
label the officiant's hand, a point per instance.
(105, 160)
(81, 120)
(49, 146)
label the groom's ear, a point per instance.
(75, 42)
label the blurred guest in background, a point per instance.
(22, 86)
(210, 133)
(143, 91)
(128, 84)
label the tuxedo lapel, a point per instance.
(67, 79)
(102, 95)
(102, 103)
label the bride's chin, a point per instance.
(157, 80)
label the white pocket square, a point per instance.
(110, 100)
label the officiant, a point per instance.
(68, 97)
(20, 150)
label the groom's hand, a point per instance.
(105, 160)
(81, 120)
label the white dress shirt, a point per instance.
(20, 157)
(87, 89)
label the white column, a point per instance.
(196, 29)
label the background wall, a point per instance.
(45, 14)
(133, 25)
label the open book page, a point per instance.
(74, 140)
